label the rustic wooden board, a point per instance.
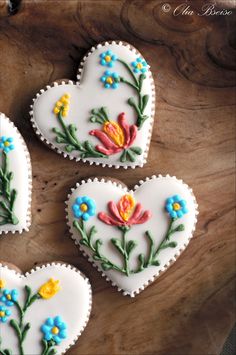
(190, 308)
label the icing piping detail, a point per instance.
(7, 194)
(115, 136)
(54, 330)
(124, 215)
(112, 80)
(10, 299)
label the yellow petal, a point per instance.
(115, 132)
(125, 206)
(2, 283)
(56, 110)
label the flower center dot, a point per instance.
(108, 58)
(109, 80)
(139, 65)
(2, 314)
(84, 207)
(176, 206)
(9, 297)
(55, 330)
(6, 144)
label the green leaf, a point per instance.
(69, 148)
(15, 326)
(141, 78)
(155, 263)
(52, 352)
(144, 102)
(24, 332)
(84, 242)
(180, 228)
(136, 150)
(117, 244)
(169, 245)
(130, 246)
(141, 259)
(123, 157)
(106, 266)
(131, 156)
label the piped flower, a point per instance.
(62, 105)
(84, 207)
(110, 80)
(108, 58)
(4, 314)
(6, 144)
(54, 329)
(115, 136)
(9, 297)
(49, 289)
(2, 283)
(176, 206)
(139, 65)
(125, 213)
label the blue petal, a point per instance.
(92, 212)
(173, 214)
(110, 64)
(176, 198)
(102, 55)
(139, 60)
(143, 70)
(48, 336)
(184, 210)
(8, 312)
(179, 213)
(6, 292)
(144, 63)
(6, 150)
(108, 72)
(115, 75)
(103, 62)
(4, 139)
(3, 319)
(50, 322)
(57, 339)
(46, 329)
(10, 139)
(75, 207)
(169, 207)
(103, 79)
(79, 200)
(114, 57)
(115, 85)
(9, 303)
(63, 334)
(57, 321)
(63, 326)
(85, 216)
(107, 86)
(136, 70)
(170, 200)
(183, 203)
(109, 52)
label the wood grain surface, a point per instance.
(190, 309)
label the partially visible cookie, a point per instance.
(44, 311)
(15, 179)
(106, 117)
(132, 236)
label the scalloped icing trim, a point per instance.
(70, 267)
(71, 82)
(27, 155)
(125, 189)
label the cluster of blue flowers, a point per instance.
(8, 299)
(111, 79)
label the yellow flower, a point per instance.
(49, 289)
(126, 206)
(2, 283)
(62, 105)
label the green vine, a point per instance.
(137, 85)
(125, 247)
(19, 327)
(7, 194)
(68, 137)
(4, 351)
(151, 259)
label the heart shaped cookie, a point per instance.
(44, 311)
(105, 117)
(15, 179)
(132, 236)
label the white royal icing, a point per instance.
(152, 194)
(88, 93)
(19, 164)
(72, 303)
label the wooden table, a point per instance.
(190, 308)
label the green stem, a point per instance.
(130, 72)
(126, 257)
(166, 239)
(74, 142)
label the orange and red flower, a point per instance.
(114, 136)
(125, 213)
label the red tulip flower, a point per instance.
(114, 136)
(125, 213)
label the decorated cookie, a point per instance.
(132, 236)
(105, 117)
(44, 311)
(15, 179)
